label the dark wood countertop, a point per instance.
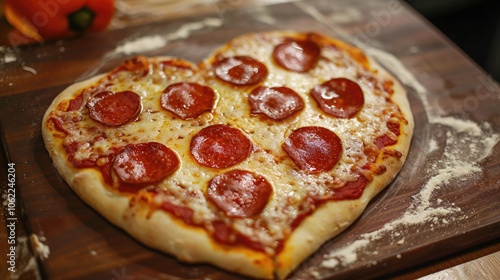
(453, 101)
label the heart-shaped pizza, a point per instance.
(249, 160)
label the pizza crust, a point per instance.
(162, 231)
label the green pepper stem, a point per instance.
(81, 19)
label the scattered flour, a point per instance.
(148, 43)
(330, 263)
(8, 54)
(29, 69)
(142, 44)
(459, 125)
(5, 200)
(433, 146)
(28, 268)
(347, 15)
(8, 58)
(41, 250)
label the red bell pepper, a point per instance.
(51, 19)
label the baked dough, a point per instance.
(140, 213)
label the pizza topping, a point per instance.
(239, 193)
(394, 127)
(135, 64)
(388, 86)
(71, 150)
(388, 139)
(339, 97)
(240, 70)
(75, 104)
(297, 56)
(114, 108)
(393, 153)
(145, 163)
(277, 102)
(351, 190)
(178, 63)
(224, 234)
(220, 146)
(179, 211)
(57, 124)
(313, 149)
(187, 100)
(383, 141)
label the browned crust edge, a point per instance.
(191, 244)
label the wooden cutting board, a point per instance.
(453, 164)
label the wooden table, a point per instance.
(451, 98)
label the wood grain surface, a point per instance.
(83, 245)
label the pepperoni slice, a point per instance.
(277, 102)
(239, 193)
(313, 149)
(340, 97)
(220, 146)
(187, 100)
(145, 163)
(114, 109)
(297, 56)
(240, 70)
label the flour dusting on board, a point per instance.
(142, 44)
(26, 267)
(466, 144)
(433, 145)
(148, 43)
(456, 157)
(41, 249)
